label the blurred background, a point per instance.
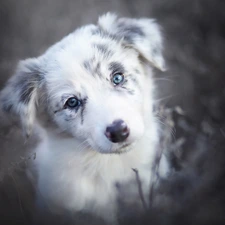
(192, 91)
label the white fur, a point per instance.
(78, 167)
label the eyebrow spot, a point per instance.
(116, 67)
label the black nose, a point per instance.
(117, 131)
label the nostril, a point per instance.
(125, 129)
(108, 134)
(118, 131)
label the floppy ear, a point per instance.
(142, 34)
(19, 96)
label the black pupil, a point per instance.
(118, 78)
(72, 102)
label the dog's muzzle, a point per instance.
(118, 131)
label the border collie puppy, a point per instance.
(92, 94)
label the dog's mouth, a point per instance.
(124, 148)
(114, 149)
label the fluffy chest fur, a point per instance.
(75, 177)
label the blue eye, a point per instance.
(72, 102)
(118, 78)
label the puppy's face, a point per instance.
(96, 93)
(95, 84)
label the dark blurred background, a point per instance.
(193, 88)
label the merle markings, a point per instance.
(103, 49)
(27, 81)
(84, 101)
(134, 30)
(87, 65)
(97, 70)
(91, 68)
(130, 91)
(105, 35)
(134, 79)
(155, 51)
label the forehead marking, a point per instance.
(87, 65)
(105, 35)
(97, 70)
(91, 68)
(103, 49)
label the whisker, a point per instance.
(164, 79)
(79, 148)
(165, 98)
(83, 145)
(171, 129)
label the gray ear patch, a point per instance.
(27, 82)
(23, 87)
(26, 87)
(155, 51)
(144, 35)
(6, 106)
(20, 93)
(130, 32)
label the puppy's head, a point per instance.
(95, 84)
